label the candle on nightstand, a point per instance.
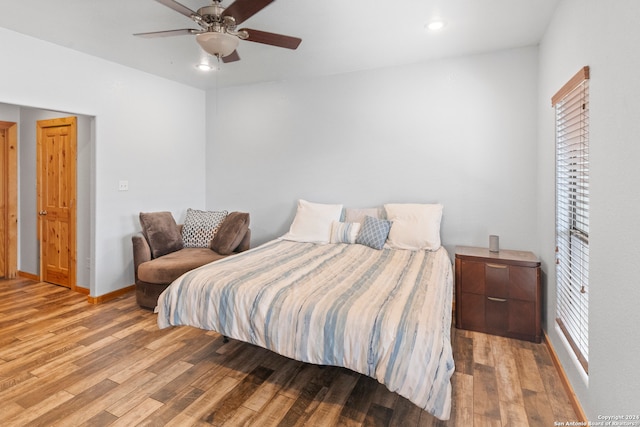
(494, 243)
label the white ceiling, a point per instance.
(337, 35)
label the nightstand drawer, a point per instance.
(498, 293)
(496, 280)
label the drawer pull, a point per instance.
(497, 299)
(496, 265)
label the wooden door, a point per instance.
(56, 164)
(3, 208)
(8, 199)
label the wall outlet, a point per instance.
(123, 186)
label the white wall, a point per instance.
(9, 113)
(603, 35)
(147, 130)
(461, 132)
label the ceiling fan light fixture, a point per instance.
(217, 44)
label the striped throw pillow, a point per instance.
(344, 232)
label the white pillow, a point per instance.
(415, 226)
(312, 222)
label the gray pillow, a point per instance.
(373, 232)
(161, 232)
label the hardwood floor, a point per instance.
(65, 362)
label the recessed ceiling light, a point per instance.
(203, 66)
(436, 25)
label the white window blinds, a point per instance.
(572, 213)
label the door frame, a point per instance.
(10, 197)
(72, 176)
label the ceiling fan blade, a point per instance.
(178, 7)
(233, 57)
(169, 33)
(272, 39)
(241, 10)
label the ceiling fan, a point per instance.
(218, 35)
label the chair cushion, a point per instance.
(166, 269)
(231, 232)
(161, 232)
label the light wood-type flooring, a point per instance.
(66, 362)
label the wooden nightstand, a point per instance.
(498, 293)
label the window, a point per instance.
(572, 212)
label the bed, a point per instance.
(385, 313)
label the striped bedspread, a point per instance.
(385, 314)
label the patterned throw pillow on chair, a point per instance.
(200, 227)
